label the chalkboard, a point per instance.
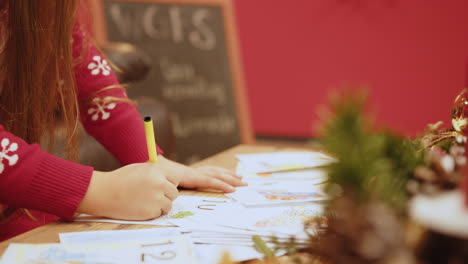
(195, 67)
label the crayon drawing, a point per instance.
(182, 214)
(270, 192)
(283, 195)
(293, 216)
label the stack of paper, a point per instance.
(281, 161)
(175, 250)
(281, 178)
(197, 218)
(278, 192)
(209, 242)
(284, 191)
(183, 208)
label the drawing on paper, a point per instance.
(182, 214)
(283, 195)
(292, 216)
(265, 174)
(283, 167)
(55, 254)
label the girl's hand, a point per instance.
(205, 177)
(134, 192)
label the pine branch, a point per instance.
(372, 164)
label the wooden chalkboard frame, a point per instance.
(232, 46)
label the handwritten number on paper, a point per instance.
(213, 201)
(165, 255)
(158, 244)
(207, 206)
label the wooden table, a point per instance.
(49, 233)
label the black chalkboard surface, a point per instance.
(195, 67)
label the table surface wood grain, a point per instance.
(50, 233)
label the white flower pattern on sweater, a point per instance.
(7, 148)
(99, 65)
(100, 107)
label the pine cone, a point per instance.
(361, 234)
(443, 173)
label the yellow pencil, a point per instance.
(150, 140)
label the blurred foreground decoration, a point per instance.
(447, 156)
(374, 186)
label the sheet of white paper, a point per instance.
(173, 249)
(110, 236)
(212, 254)
(274, 220)
(184, 207)
(204, 235)
(170, 250)
(283, 161)
(293, 175)
(191, 227)
(275, 192)
(57, 253)
(228, 236)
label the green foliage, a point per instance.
(371, 164)
(262, 247)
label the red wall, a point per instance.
(411, 53)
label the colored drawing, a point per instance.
(182, 214)
(62, 255)
(289, 167)
(283, 167)
(282, 161)
(293, 216)
(288, 196)
(39, 261)
(264, 174)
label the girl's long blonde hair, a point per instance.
(37, 83)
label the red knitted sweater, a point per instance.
(51, 187)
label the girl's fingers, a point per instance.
(166, 206)
(216, 170)
(220, 170)
(172, 193)
(234, 181)
(213, 183)
(223, 175)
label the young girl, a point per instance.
(49, 70)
